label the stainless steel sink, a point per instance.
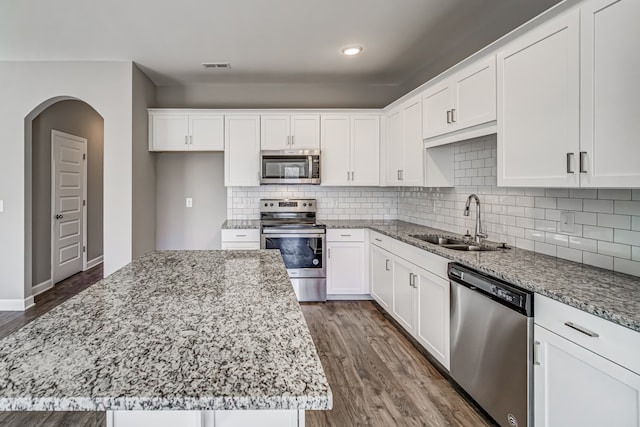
(449, 243)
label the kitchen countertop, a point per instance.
(177, 330)
(604, 293)
(241, 224)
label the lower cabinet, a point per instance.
(248, 239)
(411, 285)
(346, 261)
(576, 387)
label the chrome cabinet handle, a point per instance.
(569, 162)
(448, 116)
(386, 264)
(582, 329)
(352, 175)
(345, 235)
(329, 253)
(536, 346)
(241, 235)
(583, 162)
(347, 176)
(399, 175)
(58, 216)
(453, 115)
(377, 240)
(412, 280)
(186, 139)
(292, 140)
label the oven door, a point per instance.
(303, 253)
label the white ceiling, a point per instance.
(405, 42)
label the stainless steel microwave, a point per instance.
(290, 167)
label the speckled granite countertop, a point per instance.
(604, 293)
(241, 224)
(201, 330)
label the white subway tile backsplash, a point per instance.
(635, 253)
(614, 194)
(626, 207)
(614, 221)
(626, 266)
(552, 215)
(635, 223)
(557, 192)
(556, 239)
(598, 233)
(544, 225)
(570, 254)
(614, 249)
(525, 244)
(597, 260)
(603, 206)
(586, 218)
(635, 194)
(534, 235)
(570, 204)
(627, 237)
(546, 202)
(583, 193)
(545, 248)
(583, 244)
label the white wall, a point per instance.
(107, 87)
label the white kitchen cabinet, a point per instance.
(465, 100)
(185, 130)
(242, 151)
(610, 94)
(381, 268)
(290, 132)
(403, 145)
(404, 296)
(350, 149)
(539, 105)
(346, 263)
(240, 239)
(432, 316)
(576, 387)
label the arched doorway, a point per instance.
(55, 116)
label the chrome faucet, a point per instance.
(479, 235)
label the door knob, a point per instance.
(58, 216)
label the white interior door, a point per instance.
(68, 192)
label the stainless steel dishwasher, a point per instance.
(491, 344)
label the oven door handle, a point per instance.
(294, 235)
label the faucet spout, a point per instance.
(479, 235)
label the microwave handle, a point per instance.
(310, 160)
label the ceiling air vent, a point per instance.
(216, 65)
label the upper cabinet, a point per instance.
(185, 130)
(539, 105)
(290, 132)
(462, 101)
(403, 145)
(242, 151)
(568, 100)
(610, 94)
(350, 149)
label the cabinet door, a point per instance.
(305, 132)
(610, 94)
(403, 295)
(413, 146)
(575, 387)
(394, 147)
(475, 94)
(432, 327)
(437, 103)
(275, 132)
(169, 132)
(335, 151)
(206, 132)
(345, 268)
(242, 151)
(381, 268)
(365, 150)
(538, 106)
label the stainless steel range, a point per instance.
(290, 226)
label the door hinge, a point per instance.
(84, 157)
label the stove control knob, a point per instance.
(304, 204)
(310, 204)
(266, 204)
(270, 204)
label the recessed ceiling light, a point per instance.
(351, 50)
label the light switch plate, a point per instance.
(567, 222)
(189, 202)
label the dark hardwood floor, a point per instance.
(377, 376)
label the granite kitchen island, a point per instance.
(196, 338)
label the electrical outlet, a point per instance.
(567, 222)
(189, 202)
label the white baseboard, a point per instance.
(354, 297)
(40, 288)
(16, 304)
(94, 262)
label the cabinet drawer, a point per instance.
(249, 235)
(614, 342)
(424, 259)
(345, 235)
(380, 240)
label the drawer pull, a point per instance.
(536, 346)
(581, 329)
(241, 235)
(345, 235)
(377, 240)
(386, 265)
